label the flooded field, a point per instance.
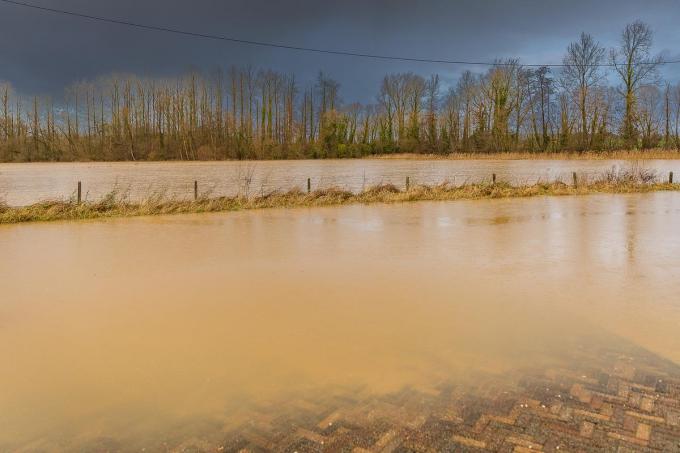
(499, 325)
(22, 184)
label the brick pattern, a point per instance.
(593, 400)
(627, 403)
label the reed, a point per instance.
(116, 204)
(658, 153)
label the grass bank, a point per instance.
(115, 205)
(585, 155)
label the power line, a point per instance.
(285, 46)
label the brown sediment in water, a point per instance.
(116, 205)
(437, 326)
(602, 396)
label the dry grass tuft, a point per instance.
(115, 204)
(656, 153)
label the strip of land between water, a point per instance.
(116, 204)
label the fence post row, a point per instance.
(309, 184)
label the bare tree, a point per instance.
(581, 73)
(432, 107)
(467, 89)
(415, 87)
(501, 92)
(635, 65)
(540, 89)
(648, 114)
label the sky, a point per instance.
(41, 53)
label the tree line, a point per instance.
(598, 100)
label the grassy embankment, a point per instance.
(585, 155)
(114, 205)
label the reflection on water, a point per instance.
(125, 327)
(22, 184)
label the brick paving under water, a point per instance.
(607, 399)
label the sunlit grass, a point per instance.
(656, 153)
(117, 204)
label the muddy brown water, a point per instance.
(122, 326)
(22, 184)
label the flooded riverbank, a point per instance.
(23, 184)
(121, 329)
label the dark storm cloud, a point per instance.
(44, 52)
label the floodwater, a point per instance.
(119, 328)
(22, 184)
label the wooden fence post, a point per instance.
(575, 179)
(195, 190)
(80, 192)
(493, 178)
(670, 178)
(408, 182)
(309, 185)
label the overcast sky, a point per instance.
(43, 52)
